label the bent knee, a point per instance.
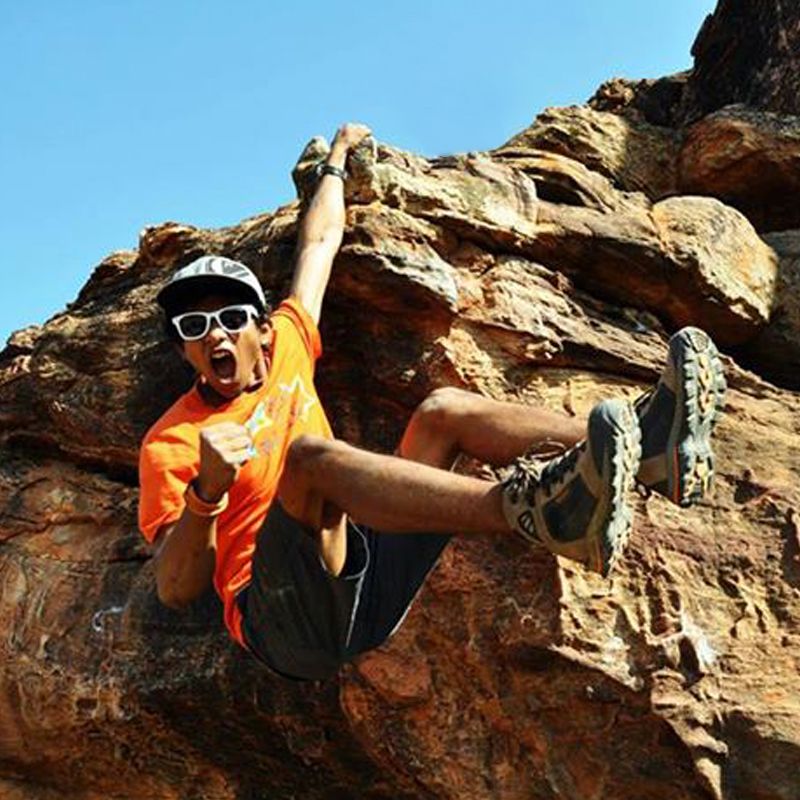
(305, 448)
(311, 456)
(441, 407)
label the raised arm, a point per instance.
(322, 226)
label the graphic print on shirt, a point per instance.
(274, 417)
(295, 388)
(257, 422)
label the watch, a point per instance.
(329, 169)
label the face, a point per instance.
(228, 363)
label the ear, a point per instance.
(265, 334)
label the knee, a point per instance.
(441, 409)
(306, 454)
(435, 430)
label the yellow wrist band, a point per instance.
(202, 508)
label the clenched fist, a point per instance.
(224, 447)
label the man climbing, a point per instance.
(243, 484)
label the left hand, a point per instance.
(350, 135)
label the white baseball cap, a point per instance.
(206, 274)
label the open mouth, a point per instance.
(224, 365)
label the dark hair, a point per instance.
(189, 300)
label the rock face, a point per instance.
(552, 271)
(746, 52)
(750, 160)
(636, 155)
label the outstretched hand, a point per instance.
(351, 134)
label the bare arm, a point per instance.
(186, 557)
(322, 226)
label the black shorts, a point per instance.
(303, 622)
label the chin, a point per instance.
(228, 389)
(224, 389)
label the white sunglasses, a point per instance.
(194, 325)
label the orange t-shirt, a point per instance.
(285, 407)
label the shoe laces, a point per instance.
(555, 472)
(518, 482)
(642, 401)
(531, 472)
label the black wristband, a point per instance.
(195, 484)
(329, 169)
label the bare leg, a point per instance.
(452, 421)
(384, 492)
(323, 478)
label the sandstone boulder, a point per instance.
(776, 350)
(683, 258)
(749, 160)
(635, 155)
(515, 675)
(561, 179)
(656, 101)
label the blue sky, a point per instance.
(117, 115)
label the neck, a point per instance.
(211, 396)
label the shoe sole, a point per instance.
(621, 464)
(700, 395)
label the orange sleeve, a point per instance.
(166, 465)
(290, 313)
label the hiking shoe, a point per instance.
(576, 504)
(677, 418)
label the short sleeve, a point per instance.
(291, 314)
(166, 466)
